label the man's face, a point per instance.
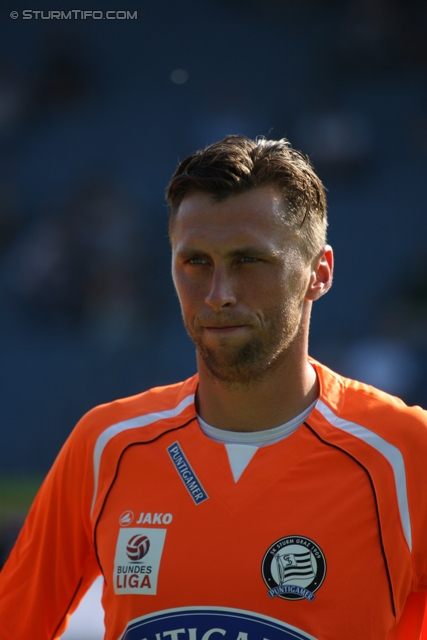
(241, 280)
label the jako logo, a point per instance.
(137, 547)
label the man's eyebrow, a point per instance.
(189, 252)
(250, 250)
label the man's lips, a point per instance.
(224, 328)
(225, 324)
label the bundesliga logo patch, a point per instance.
(293, 568)
(137, 560)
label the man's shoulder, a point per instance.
(362, 404)
(158, 404)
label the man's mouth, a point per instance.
(228, 328)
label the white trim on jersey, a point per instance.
(389, 451)
(261, 438)
(239, 456)
(132, 423)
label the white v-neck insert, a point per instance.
(241, 446)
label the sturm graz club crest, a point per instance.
(293, 568)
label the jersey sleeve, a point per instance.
(53, 562)
(424, 629)
(416, 469)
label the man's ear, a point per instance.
(321, 274)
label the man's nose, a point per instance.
(221, 293)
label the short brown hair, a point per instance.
(237, 164)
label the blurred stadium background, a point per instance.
(94, 116)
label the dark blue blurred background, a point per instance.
(94, 116)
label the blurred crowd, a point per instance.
(77, 259)
(83, 267)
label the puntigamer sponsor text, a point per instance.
(192, 634)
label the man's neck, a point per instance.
(270, 402)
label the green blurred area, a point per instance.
(17, 494)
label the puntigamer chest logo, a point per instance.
(210, 623)
(137, 560)
(294, 568)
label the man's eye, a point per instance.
(248, 259)
(197, 261)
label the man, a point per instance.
(266, 497)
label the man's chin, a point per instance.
(233, 370)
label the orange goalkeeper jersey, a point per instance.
(324, 535)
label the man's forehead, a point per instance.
(257, 208)
(251, 222)
(256, 197)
